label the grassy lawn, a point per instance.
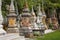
(51, 36)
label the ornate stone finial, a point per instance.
(26, 9)
(39, 8)
(25, 4)
(43, 12)
(33, 13)
(12, 9)
(54, 11)
(39, 11)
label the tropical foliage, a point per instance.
(47, 4)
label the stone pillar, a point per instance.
(1, 20)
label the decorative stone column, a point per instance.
(12, 19)
(39, 17)
(25, 21)
(33, 18)
(1, 20)
(54, 20)
(44, 18)
(40, 23)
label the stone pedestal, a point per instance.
(55, 23)
(12, 30)
(2, 32)
(48, 31)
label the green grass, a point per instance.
(51, 36)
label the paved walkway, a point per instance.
(13, 36)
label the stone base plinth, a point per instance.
(2, 31)
(48, 31)
(12, 30)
